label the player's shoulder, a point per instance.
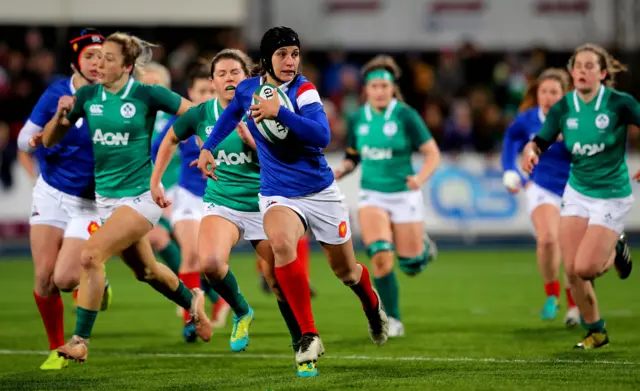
(617, 97)
(301, 84)
(143, 90)
(199, 111)
(528, 116)
(402, 109)
(59, 88)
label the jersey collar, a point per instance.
(71, 87)
(368, 112)
(123, 93)
(216, 110)
(284, 87)
(541, 115)
(576, 99)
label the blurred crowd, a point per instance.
(467, 97)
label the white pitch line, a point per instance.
(7, 352)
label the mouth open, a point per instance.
(230, 88)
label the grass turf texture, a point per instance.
(472, 322)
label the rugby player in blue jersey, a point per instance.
(297, 187)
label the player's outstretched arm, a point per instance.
(164, 155)
(431, 161)
(229, 119)
(59, 125)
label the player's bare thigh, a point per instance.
(594, 253)
(122, 229)
(45, 241)
(572, 231)
(216, 238)
(284, 229)
(186, 233)
(68, 267)
(546, 223)
(408, 239)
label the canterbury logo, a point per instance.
(96, 109)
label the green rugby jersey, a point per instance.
(596, 135)
(121, 126)
(385, 142)
(238, 169)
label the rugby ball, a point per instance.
(272, 130)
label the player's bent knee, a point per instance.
(382, 263)
(547, 241)
(213, 266)
(413, 266)
(66, 282)
(587, 271)
(90, 257)
(282, 245)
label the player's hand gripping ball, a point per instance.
(266, 104)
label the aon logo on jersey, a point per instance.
(376, 153)
(234, 158)
(587, 149)
(109, 138)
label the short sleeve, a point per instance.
(553, 123)
(186, 125)
(633, 111)
(163, 99)
(45, 109)
(416, 129)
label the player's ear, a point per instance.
(129, 68)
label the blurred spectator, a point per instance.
(511, 82)
(347, 98)
(337, 126)
(458, 129)
(8, 155)
(331, 74)
(33, 41)
(434, 119)
(450, 77)
(490, 129)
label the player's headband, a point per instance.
(379, 74)
(89, 39)
(274, 39)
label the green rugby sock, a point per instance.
(229, 290)
(388, 290)
(171, 256)
(84, 322)
(208, 290)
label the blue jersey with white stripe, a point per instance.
(68, 166)
(190, 178)
(297, 166)
(552, 171)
